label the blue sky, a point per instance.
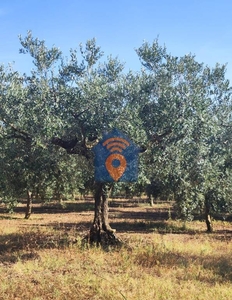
(202, 27)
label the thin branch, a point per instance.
(18, 133)
(76, 116)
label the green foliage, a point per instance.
(44, 58)
(176, 108)
(61, 98)
(187, 113)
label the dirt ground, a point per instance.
(127, 216)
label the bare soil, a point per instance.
(127, 216)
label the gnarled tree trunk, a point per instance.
(100, 228)
(100, 224)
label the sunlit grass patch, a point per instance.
(155, 268)
(178, 260)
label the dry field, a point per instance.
(160, 258)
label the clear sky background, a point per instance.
(202, 27)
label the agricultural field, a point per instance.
(160, 257)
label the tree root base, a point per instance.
(104, 239)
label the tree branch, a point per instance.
(18, 133)
(72, 146)
(67, 145)
(158, 138)
(76, 116)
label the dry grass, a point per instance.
(44, 257)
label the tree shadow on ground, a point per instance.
(53, 207)
(222, 235)
(216, 264)
(57, 207)
(143, 226)
(32, 237)
(25, 244)
(145, 215)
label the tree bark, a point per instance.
(207, 216)
(29, 205)
(100, 229)
(101, 215)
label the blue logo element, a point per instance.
(116, 158)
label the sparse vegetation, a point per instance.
(160, 258)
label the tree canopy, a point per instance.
(175, 108)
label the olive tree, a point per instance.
(186, 113)
(66, 102)
(29, 120)
(179, 109)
